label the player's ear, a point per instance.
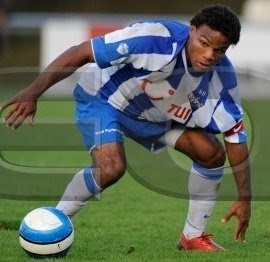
(192, 30)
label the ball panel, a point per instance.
(57, 255)
(42, 219)
(61, 216)
(40, 236)
(47, 249)
(50, 236)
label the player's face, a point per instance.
(205, 47)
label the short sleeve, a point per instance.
(146, 45)
(229, 113)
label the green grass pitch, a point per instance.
(133, 223)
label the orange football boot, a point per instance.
(202, 243)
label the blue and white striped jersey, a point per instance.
(142, 71)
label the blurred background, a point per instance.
(33, 33)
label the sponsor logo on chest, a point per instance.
(179, 111)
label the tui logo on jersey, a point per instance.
(179, 112)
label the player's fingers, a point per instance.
(242, 235)
(31, 119)
(240, 228)
(227, 216)
(19, 121)
(10, 121)
(243, 232)
(11, 112)
(236, 233)
(6, 104)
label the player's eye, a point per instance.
(220, 51)
(203, 43)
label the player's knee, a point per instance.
(111, 172)
(219, 158)
(215, 159)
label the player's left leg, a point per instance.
(204, 182)
(205, 177)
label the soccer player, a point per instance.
(161, 83)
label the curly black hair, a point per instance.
(219, 18)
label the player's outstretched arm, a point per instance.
(241, 208)
(24, 104)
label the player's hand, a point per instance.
(242, 210)
(23, 105)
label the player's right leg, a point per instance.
(98, 123)
(108, 167)
(109, 164)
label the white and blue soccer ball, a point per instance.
(46, 232)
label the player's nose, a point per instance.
(209, 55)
